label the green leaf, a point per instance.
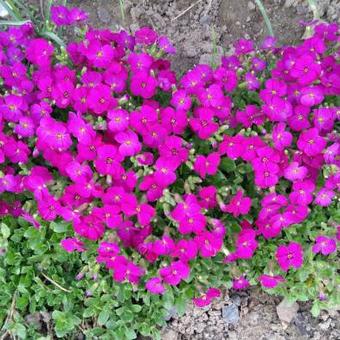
(20, 330)
(315, 309)
(103, 316)
(136, 308)
(53, 37)
(227, 164)
(60, 227)
(5, 231)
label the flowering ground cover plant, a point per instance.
(152, 189)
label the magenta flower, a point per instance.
(175, 273)
(126, 270)
(311, 96)
(25, 127)
(270, 281)
(324, 245)
(72, 244)
(240, 283)
(281, 138)
(243, 46)
(173, 149)
(143, 85)
(154, 285)
(174, 121)
(129, 143)
(39, 52)
(89, 227)
(324, 118)
(306, 69)
(294, 172)
(206, 298)
(100, 99)
(185, 250)
(192, 223)
(180, 100)
(140, 120)
(77, 15)
(164, 246)
(208, 197)
(60, 15)
(246, 244)
(238, 205)
(310, 142)
(207, 165)
(48, 207)
(299, 120)
(153, 190)
(165, 45)
(324, 197)
(140, 62)
(146, 36)
(209, 244)
(165, 171)
(203, 124)
(119, 120)
(226, 78)
(302, 193)
(290, 256)
(107, 162)
(212, 96)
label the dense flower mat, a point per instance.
(225, 174)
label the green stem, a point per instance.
(265, 17)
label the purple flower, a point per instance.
(310, 142)
(324, 245)
(155, 286)
(72, 244)
(207, 165)
(270, 281)
(290, 256)
(324, 197)
(143, 85)
(60, 15)
(175, 273)
(240, 283)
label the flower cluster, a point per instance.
(112, 142)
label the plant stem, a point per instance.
(55, 283)
(265, 17)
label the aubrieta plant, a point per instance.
(166, 189)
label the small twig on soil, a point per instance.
(55, 283)
(186, 10)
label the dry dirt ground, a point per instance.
(193, 25)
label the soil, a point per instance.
(256, 318)
(196, 26)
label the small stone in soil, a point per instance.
(230, 314)
(286, 311)
(236, 299)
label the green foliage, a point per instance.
(38, 276)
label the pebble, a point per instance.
(251, 6)
(325, 325)
(104, 15)
(286, 311)
(169, 334)
(205, 20)
(236, 300)
(231, 314)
